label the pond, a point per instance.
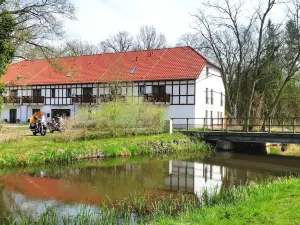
(27, 192)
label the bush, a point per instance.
(117, 118)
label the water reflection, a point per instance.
(69, 189)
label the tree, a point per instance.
(79, 47)
(190, 39)
(121, 42)
(291, 53)
(7, 49)
(237, 42)
(27, 25)
(38, 21)
(149, 38)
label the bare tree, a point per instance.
(149, 38)
(79, 47)
(121, 42)
(236, 39)
(37, 21)
(190, 39)
(195, 41)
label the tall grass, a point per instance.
(116, 118)
(10, 136)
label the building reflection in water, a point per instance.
(192, 177)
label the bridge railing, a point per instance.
(272, 125)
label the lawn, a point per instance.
(38, 150)
(271, 203)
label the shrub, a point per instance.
(116, 118)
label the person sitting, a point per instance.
(32, 122)
(37, 116)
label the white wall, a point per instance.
(24, 112)
(196, 109)
(195, 177)
(212, 81)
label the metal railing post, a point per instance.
(204, 124)
(187, 124)
(227, 125)
(294, 123)
(247, 125)
(222, 124)
(269, 125)
(212, 123)
(282, 126)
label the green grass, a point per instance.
(276, 202)
(275, 151)
(37, 150)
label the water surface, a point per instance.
(29, 191)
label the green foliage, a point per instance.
(129, 118)
(116, 118)
(7, 49)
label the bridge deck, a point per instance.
(285, 130)
(256, 137)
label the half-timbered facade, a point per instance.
(180, 78)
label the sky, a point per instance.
(98, 19)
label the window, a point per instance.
(142, 90)
(212, 96)
(69, 92)
(115, 89)
(53, 93)
(87, 91)
(206, 96)
(221, 98)
(14, 93)
(207, 71)
(37, 93)
(159, 90)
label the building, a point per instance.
(180, 78)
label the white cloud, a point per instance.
(97, 19)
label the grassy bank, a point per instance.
(273, 202)
(276, 202)
(36, 150)
(290, 150)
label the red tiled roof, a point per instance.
(161, 64)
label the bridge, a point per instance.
(238, 130)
